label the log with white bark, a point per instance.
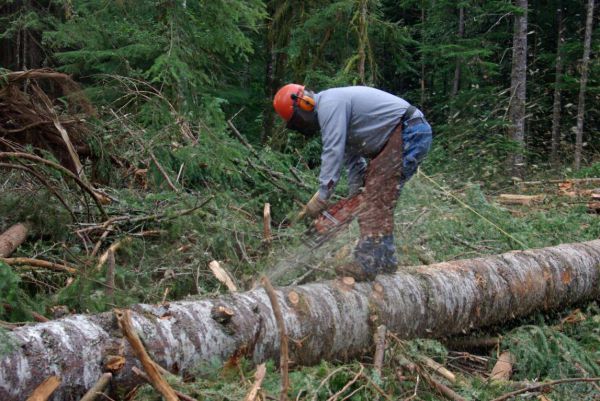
(327, 320)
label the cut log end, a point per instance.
(222, 314)
(293, 297)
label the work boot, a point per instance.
(375, 255)
(355, 270)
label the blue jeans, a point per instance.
(416, 141)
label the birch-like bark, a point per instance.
(518, 82)
(556, 109)
(331, 320)
(585, 62)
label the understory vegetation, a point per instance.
(182, 151)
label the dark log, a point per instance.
(329, 320)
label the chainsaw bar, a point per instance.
(331, 221)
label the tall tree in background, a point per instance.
(363, 38)
(422, 79)
(518, 83)
(583, 83)
(21, 25)
(558, 70)
(461, 34)
(280, 15)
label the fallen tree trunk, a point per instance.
(328, 320)
(12, 238)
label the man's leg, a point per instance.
(386, 175)
(375, 250)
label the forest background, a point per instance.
(183, 89)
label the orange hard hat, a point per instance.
(284, 100)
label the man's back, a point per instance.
(369, 116)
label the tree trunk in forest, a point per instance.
(12, 238)
(331, 320)
(363, 37)
(518, 83)
(585, 62)
(422, 81)
(457, 67)
(556, 137)
(278, 37)
(21, 49)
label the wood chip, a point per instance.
(222, 275)
(503, 368)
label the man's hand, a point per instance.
(314, 206)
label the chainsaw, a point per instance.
(332, 220)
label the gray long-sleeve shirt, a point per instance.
(356, 122)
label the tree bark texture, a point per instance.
(12, 238)
(327, 320)
(518, 83)
(585, 63)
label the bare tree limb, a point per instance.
(155, 378)
(283, 359)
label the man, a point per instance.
(358, 124)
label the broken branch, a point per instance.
(379, 348)
(65, 171)
(283, 359)
(38, 263)
(45, 389)
(259, 376)
(180, 395)
(155, 378)
(97, 388)
(222, 275)
(547, 384)
(502, 370)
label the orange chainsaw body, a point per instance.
(338, 215)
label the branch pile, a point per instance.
(47, 110)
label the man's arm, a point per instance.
(333, 119)
(356, 166)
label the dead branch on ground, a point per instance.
(39, 263)
(84, 186)
(284, 357)
(259, 376)
(380, 336)
(540, 386)
(98, 388)
(502, 370)
(45, 389)
(156, 379)
(144, 376)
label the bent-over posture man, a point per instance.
(381, 140)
